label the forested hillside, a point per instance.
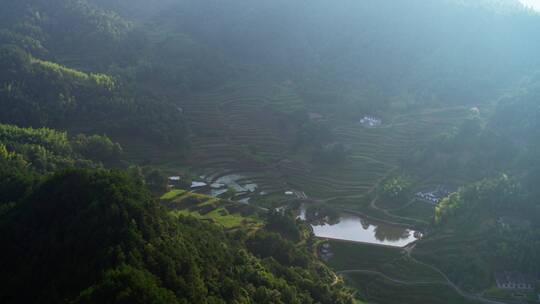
(492, 223)
(98, 237)
(157, 53)
(62, 68)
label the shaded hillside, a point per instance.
(98, 237)
(492, 225)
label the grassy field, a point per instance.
(358, 256)
(172, 194)
(225, 213)
(462, 257)
(222, 217)
(381, 273)
(511, 296)
(379, 290)
(392, 262)
(417, 209)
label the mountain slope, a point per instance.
(98, 237)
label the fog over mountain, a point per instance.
(534, 4)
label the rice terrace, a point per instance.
(240, 132)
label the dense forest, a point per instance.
(90, 235)
(95, 236)
(98, 236)
(500, 210)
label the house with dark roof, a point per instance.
(509, 280)
(434, 196)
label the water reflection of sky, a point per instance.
(353, 228)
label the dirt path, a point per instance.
(373, 205)
(447, 282)
(410, 202)
(469, 296)
(384, 276)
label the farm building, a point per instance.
(198, 185)
(174, 181)
(434, 196)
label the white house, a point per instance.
(370, 121)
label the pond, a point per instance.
(351, 227)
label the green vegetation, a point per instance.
(478, 240)
(492, 225)
(371, 154)
(383, 273)
(47, 150)
(507, 295)
(35, 93)
(391, 262)
(62, 72)
(127, 249)
(99, 148)
(284, 223)
(133, 250)
(418, 210)
(172, 194)
(396, 188)
(358, 256)
(383, 291)
(225, 213)
(274, 92)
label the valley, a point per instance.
(243, 133)
(269, 152)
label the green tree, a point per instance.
(98, 148)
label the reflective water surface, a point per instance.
(351, 227)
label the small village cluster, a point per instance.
(508, 280)
(434, 196)
(216, 188)
(370, 121)
(223, 184)
(176, 181)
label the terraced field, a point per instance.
(387, 261)
(244, 128)
(391, 275)
(377, 289)
(230, 215)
